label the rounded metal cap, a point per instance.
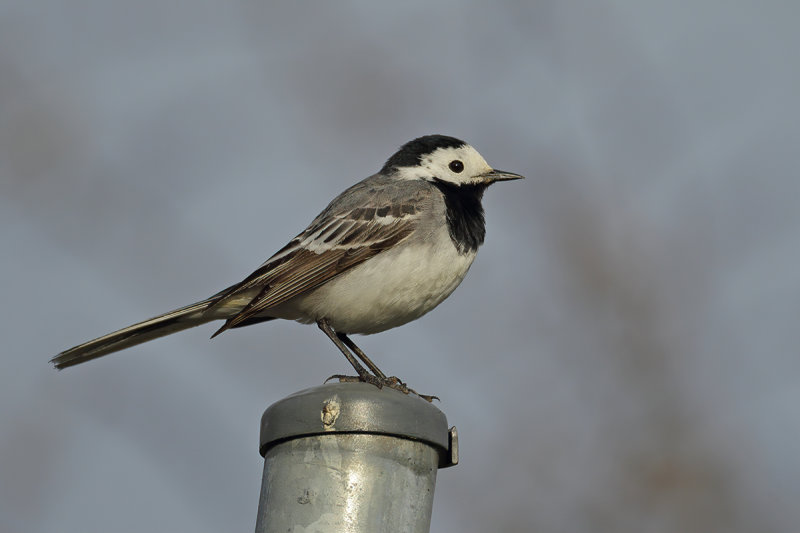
(357, 408)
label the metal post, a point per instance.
(348, 457)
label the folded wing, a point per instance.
(329, 247)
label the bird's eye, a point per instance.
(456, 166)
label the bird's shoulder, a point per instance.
(373, 212)
(380, 191)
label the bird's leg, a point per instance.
(363, 373)
(379, 379)
(393, 381)
(361, 355)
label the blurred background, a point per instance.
(622, 357)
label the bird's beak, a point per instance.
(501, 175)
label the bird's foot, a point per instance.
(427, 397)
(395, 383)
(366, 378)
(392, 382)
(344, 378)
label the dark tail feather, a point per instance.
(177, 320)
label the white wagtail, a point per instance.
(383, 253)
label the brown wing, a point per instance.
(322, 252)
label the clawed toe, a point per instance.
(395, 383)
(427, 397)
(367, 378)
(392, 382)
(344, 378)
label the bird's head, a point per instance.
(446, 159)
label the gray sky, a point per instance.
(623, 355)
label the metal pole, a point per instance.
(348, 457)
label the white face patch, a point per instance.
(460, 166)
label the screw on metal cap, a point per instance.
(358, 408)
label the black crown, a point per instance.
(411, 153)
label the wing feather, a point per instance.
(325, 250)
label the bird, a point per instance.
(384, 252)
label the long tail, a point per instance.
(177, 320)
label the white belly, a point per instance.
(388, 290)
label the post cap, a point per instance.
(358, 408)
